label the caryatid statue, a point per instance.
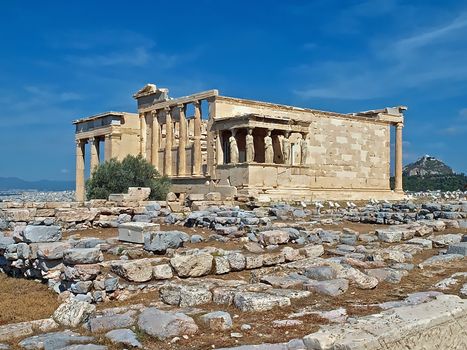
(304, 149)
(233, 149)
(286, 148)
(250, 146)
(268, 150)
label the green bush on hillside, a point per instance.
(115, 176)
(433, 182)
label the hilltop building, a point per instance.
(206, 142)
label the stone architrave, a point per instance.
(304, 150)
(250, 147)
(233, 150)
(286, 149)
(268, 150)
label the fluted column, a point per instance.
(143, 131)
(156, 139)
(168, 142)
(94, 145)
(398, 159)
(80, 190)
(182, 140)
(197, 157)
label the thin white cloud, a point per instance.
(419, 61)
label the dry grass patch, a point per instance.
(24, 300)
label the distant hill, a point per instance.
(427, 165)
(14, 183)
(431, 174)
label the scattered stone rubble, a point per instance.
(286, 254)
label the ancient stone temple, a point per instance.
(206, 142)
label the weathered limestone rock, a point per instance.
(75, 214)
(162, 272)
(387, 274)
(312, 250)
(114, 321)
(192, 265)
(330, 287)
(459, 248)
(252, 301)
(390, 235)
(49, 251)
(362, 280)
(134, 270)
(84, 272)
(184, 296)
(221, 265)
(321, 273)
(74, 312)
(274, 237)
(440, 259)
(38, 234)
(217, 320)
(436, 324)
(82, 256)
(236, 261)
(446, 240)
(22, 329)
(124, 337)
(163, 325)
(134, 232)
(54, 340)
(253, 261)
(160, 241)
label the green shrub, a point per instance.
(418, 183)
(114, 176)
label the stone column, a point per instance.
(155, 144)
(107, 148)
(94, 145)
(182, 140)
(142, 131)
(197, 157)
(168, 142)
(80, 190)
(220, 151)
(398, 159)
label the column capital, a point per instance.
(80, 142)
(167, 109)
(181, 106)
(154, 112)
(399, 125)
(196, 103)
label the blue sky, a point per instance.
(62, 60)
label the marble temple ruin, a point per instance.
(206, 142)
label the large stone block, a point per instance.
(38, 234)
(74, 312)
(192, 265)
(50, 250)
(134, 232)
(75, 214)
(160, 241)
(133, 271)
(164, 325)
(252, 301)
(459, 248)
(274, 237)
(82, 256)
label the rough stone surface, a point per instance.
(192, 265)
(73, 312)
(38, 234)
(163, 325)
(133, 271)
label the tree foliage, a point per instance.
(115, 176)
(433, 182)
